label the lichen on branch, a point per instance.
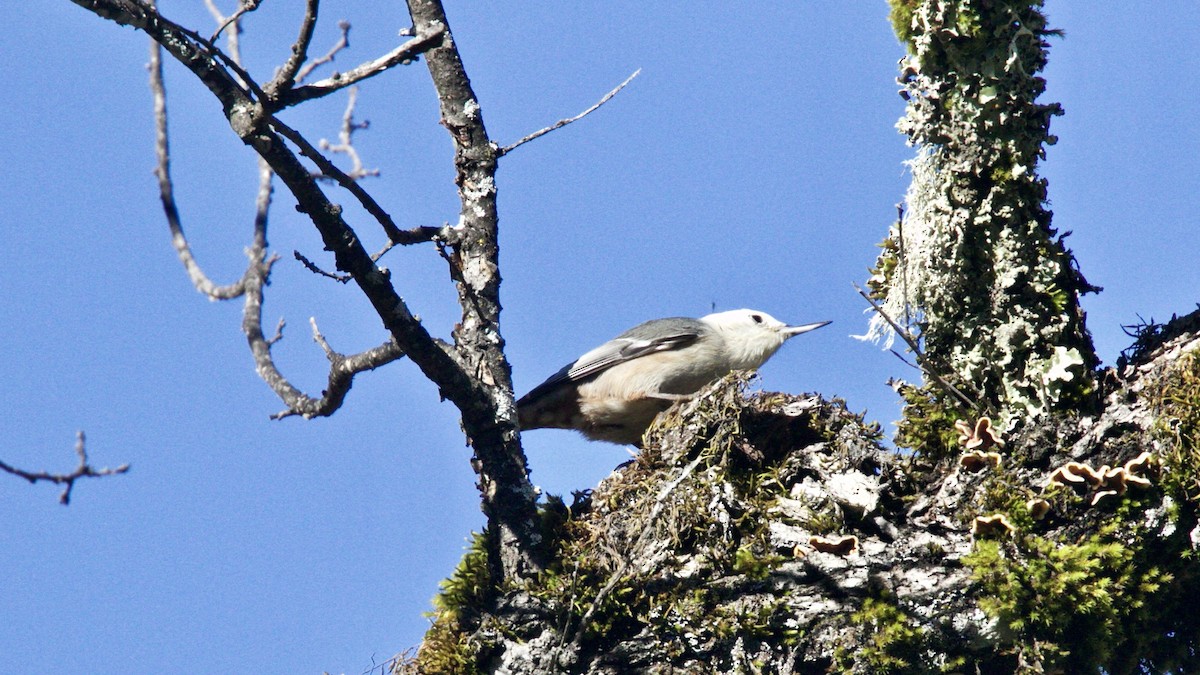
(974, 266)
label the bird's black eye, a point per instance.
(757, 318)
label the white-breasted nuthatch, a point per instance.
(614, 392)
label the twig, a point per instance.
(389, 245)
(84, 470)
(342, 370)
(312, 267)
(564, 122)
(234, 58)
(328, 168)
(417, 235)
(346, 136)
(904, 334)
(285, 77)
(244, 7)
(903, 360)
(903, 257)
(342, 43)
(278, 333)
(404, 54)
(916, 349)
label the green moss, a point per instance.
(927, 427)
(885, 266)
(1001, 174)
(469, 586)
(1176, 399)
(824, 520)
(447, 647)
(753, 565)
(1003, 492)
(1064, 605)
(446, 650)
(896, 644)
(901, 16)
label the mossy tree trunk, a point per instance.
(974, 268)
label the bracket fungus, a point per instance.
(1109, 481)
(994, 524)
(977, 461)
(979, 437)
(1074, 473)
(836, 545)
(1038, 508)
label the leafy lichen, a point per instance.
(974, 267)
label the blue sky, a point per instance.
(752, 164)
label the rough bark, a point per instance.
(491, 419)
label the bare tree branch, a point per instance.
(489, 413)
(233, 38)
(285, 77)
(262, 131)
(473, 373)
(312, 267)
(244, 7)
(167, 191)
(254, 279)
(418, 235)
(328, 169)
(83, 470)
(564, 122)
(346, 136)
(402, 55)
(342, 43)
(342, 369)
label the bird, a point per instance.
(613, 392)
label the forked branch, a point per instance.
(83, 470)
(254, 279)
(402, 55)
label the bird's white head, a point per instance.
(752, 337)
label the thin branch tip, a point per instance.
(922, 361)
(564, 122)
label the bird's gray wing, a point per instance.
(653, 336)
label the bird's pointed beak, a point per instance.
(793, 331)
